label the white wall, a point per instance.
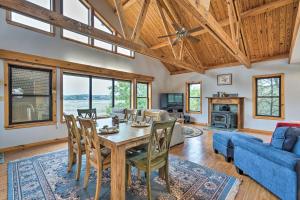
(26, 41)
(242, 84)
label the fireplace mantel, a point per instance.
(239, 101)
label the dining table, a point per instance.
(118, 143)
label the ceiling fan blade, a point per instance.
(176, 27)
(195, 29)
(193, 39)
(175, 42)
(164, 36)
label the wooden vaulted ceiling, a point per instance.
(267, 30)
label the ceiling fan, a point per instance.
(182, 33)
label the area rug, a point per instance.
(190, 131)
(45, 177)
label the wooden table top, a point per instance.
(126, 133)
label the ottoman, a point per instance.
(222, 142)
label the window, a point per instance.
(76, 93)
(142, 101)
(31, 23)
(87, 92)
(30, 96)
(122, 94)
(101, 26)
(194, 97)
(78, 11)
(125, 52)
(102, 95)
(268, 96)
(81, 11)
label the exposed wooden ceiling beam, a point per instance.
(56, 19)
(239, 35)
(252, 12)
(175, 19)
(215, 29)
(140, 21)
(296, 31)
(166, 27)
(127, 5)
(119, 7)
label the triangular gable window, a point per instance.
(81, 11)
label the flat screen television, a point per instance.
(171, 101)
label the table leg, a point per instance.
(118, 157)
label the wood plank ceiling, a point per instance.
(267, 29)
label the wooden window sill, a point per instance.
(194, 112)
(30, 125)
(268, 118)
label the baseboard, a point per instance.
(25, 146)
(256, 131)
(199, 124)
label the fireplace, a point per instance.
(226, 112)
(223, 119)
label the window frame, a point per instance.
(147, 97)
(281, 97)
(89, 23)
(8, 96)
(90, 76)
(93, 13)
(52, 28)
(187, 103)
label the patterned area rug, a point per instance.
(191, 131)
(45, 177)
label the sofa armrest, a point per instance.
(280, 157)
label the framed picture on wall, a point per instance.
(224, 79)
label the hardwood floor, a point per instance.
(198, 150)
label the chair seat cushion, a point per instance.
(140, 161)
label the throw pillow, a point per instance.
(291, 137)
(296, 149)
(279, 137)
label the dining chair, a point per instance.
(131, 114)
(96, 157)
(87, 113)
(157, 155)
(151, 116)
(75, 143)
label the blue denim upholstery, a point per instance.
(223, 144)
(275, 169)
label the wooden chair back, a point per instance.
(130, 114)
(159, 143)
(73, 130)
(150, 116)
(92, 143)
(87, 113)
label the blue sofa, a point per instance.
(275, 169)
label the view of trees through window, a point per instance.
(268, 96)
(142, 95)
(105, 94)
(194, 94)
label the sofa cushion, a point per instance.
(291, 137)
(296, 149)
(278, 137)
